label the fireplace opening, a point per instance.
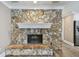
(34, 39)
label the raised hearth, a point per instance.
(29, 50)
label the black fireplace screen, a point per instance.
(34, 38)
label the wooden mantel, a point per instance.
(28, 46)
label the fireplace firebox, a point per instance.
(34, 38)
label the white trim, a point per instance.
(6, 4)
(62, 29)
(67, 42)
(37, 7)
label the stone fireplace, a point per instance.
(34, 39)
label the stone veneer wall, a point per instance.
(52, 36)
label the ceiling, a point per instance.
(67, 6)
(25, 4)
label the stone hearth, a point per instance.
(29, 52)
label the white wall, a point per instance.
(76, 16)
(4, 26)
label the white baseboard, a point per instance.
(69, 43)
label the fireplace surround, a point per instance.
(51, 35)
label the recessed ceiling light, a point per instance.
(34, 2)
